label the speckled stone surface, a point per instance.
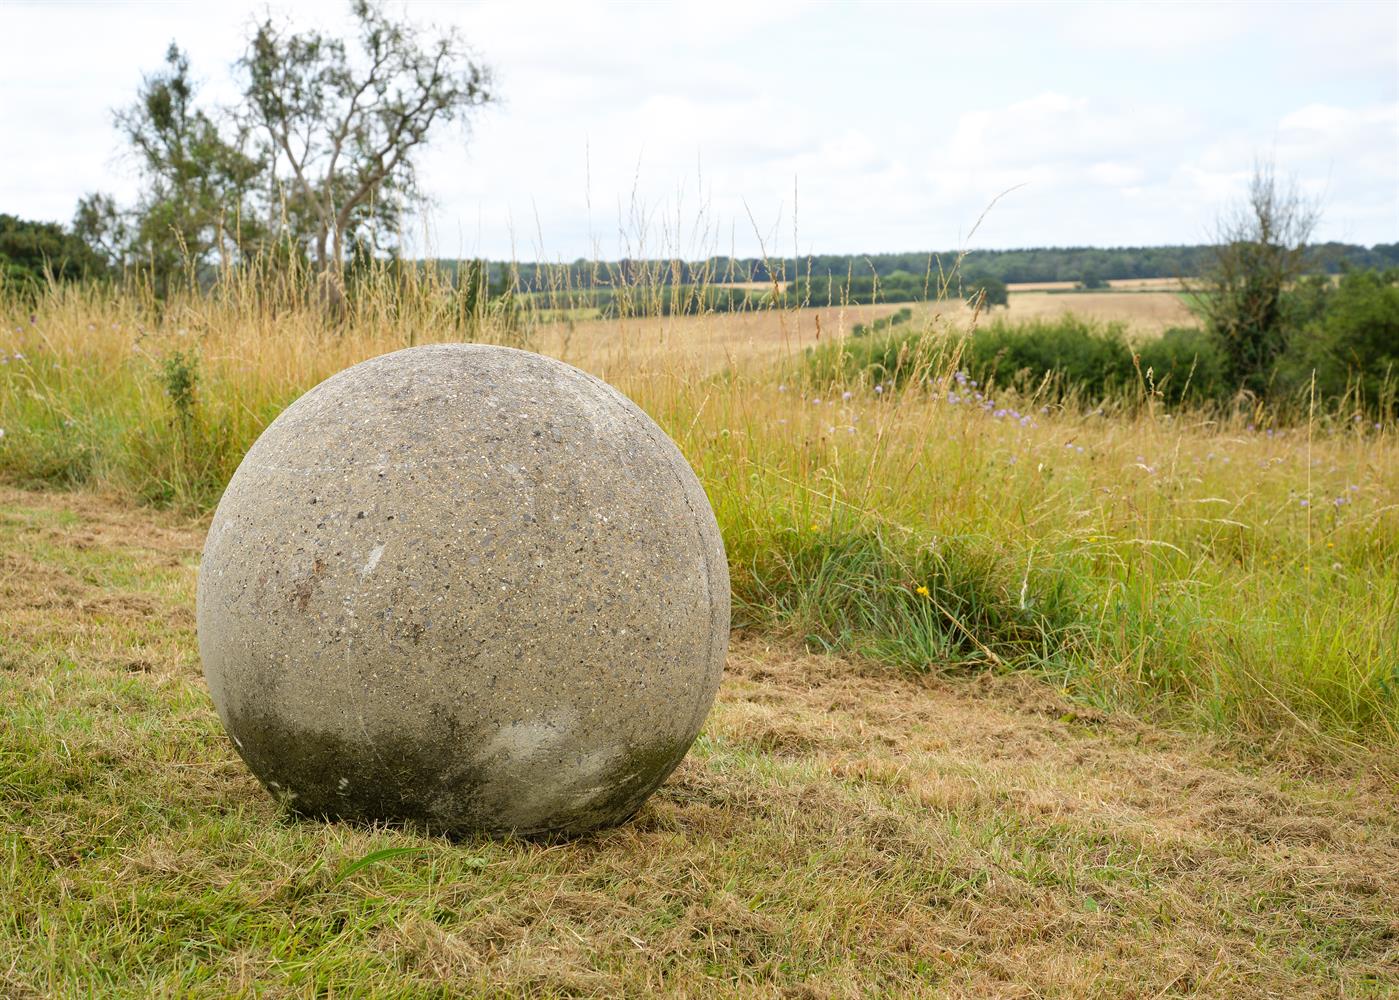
(468, 586)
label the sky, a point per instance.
(775, 127)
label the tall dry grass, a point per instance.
(1184, 565)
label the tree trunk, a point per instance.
(330, 284)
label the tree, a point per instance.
(987, 291)
(104, 228)
(1092, 279)
(343, 133)
(198, 182)
(1350, 342)
(32, 252)
(1260, 250)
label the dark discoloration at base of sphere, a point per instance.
(465, 586)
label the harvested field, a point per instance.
(708, 343)
(1142, 312)
(1117, 284)
(705, 343)
(840, 829)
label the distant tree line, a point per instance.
(1089, 265)
(1274, 328)
(1340, 347)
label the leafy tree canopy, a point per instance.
(319, 155)
(35, 251)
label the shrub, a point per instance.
(1185, 365)
(1053, 359)
(1351, 343)
(883, 323)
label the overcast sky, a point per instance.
(880, 128)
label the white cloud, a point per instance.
(895, 125)
(1160, 27)
(1116, 174)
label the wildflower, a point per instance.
(879, 388)
(815, 526)
(1305, 503)
(922, 591)
(847, 394)
(780, 388)
(19, 356)
(816, 401)
(2, 432)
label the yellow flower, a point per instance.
(922, 591)
(815, 527)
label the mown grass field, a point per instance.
(841, 829)
(1027, 700)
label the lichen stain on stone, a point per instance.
(308, 773)
(373, 561)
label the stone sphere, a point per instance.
(468, 586)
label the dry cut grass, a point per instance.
(840, 830)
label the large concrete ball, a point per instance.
(468, 586)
